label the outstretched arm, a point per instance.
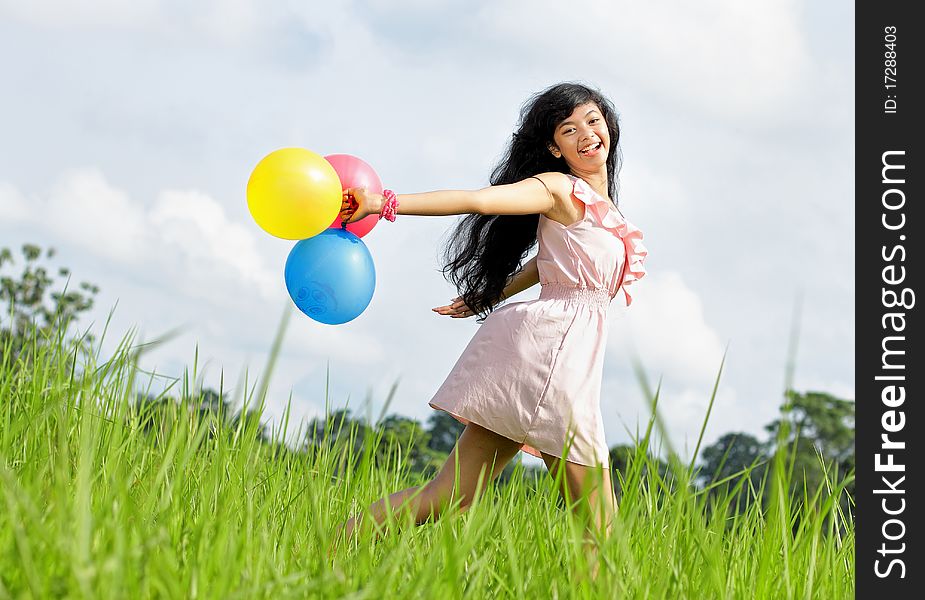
(526, 278)
(522, 198)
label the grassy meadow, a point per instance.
(103, 496)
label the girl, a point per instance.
(530, 377)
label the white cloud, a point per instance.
(839, 388)
(185, 228)
(88, 13)
(196, 225)
(232, 21)
(226, 22)
(199, 270)
(349, 348)
(646, 195)
(666, 326)
(84, 208)
(726, 57)
(13, 205)
(666, 329)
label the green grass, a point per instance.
(102, 497)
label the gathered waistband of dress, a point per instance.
(583, 295)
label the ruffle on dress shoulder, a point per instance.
(611, 219)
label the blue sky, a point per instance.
(129, 131)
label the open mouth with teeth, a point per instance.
(591, 150)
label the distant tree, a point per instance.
(251, 418)
(339, 426)
(826, 420)
(395, 434)
(212, 403)
(340, 432)
(444, 430)
(730, 454)
(30, 308)
(629, 462)
(620, 456)
(159, 414)
(735, 464)
(820, 428)
(413, 439)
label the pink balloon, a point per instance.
(354, 172)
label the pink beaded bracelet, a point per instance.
(390, 206)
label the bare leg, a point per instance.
(462, 477)
(589, 491)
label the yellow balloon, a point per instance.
(294, 193)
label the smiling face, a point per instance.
(582, 139)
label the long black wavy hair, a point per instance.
(485, 251)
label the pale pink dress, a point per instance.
(533, 370)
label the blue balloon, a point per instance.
(331, 276)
